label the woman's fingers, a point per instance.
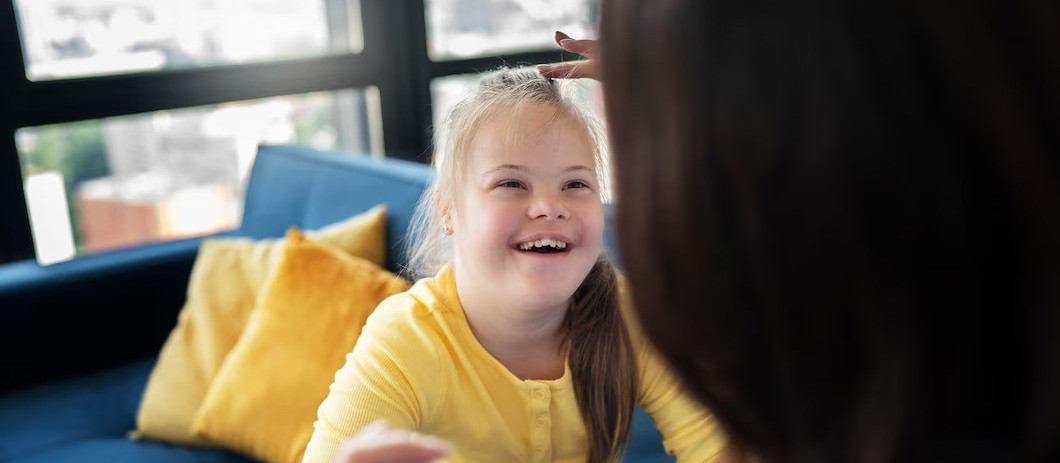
(586, 48)
(585, 69)
(573, 69)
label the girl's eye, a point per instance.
(577, 184)
(511, 184)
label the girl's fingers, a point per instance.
(402, 448)
(374, 428)
(378, 443)
(393, 452)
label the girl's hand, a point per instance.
(379, 443)
(574, 69)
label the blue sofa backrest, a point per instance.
(106, 309)
(296, 185)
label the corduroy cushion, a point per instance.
(222, 292)
(264, 399)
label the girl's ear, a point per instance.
(447, 222)
(445, 212)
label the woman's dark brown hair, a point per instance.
(841, 218)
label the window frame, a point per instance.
(394, 59)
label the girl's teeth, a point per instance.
(542, 243)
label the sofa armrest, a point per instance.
(90, 313)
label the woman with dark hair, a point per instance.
(841, 219)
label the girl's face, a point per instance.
(528, 221)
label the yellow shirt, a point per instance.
(418, 366)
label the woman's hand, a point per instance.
(379, 443)
(574, 69)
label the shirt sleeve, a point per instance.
(384, 378)
(689, 431)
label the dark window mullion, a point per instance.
(397, 31)
(487, 63)
(12, 73)
(59, 101)
(16, 239)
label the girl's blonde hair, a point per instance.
(600, 353)
(505, 91)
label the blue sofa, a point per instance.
(79, 338)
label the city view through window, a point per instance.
(104, 184)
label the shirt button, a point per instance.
(540, 422)
(540, 448)
(539, 394)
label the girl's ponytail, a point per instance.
(602, 363)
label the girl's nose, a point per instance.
(548, 207)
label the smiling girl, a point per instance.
(516, 348)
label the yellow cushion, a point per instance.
(264, 400)
(222, 291)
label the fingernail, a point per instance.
(561, 36)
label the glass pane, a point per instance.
(73, 38)
(470, 28)
(109, 183)
(447, 91)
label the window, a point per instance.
(518, 32)
(104, 184)
(447, 91)
(472, 28)
(132, 109)
(76, 38)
